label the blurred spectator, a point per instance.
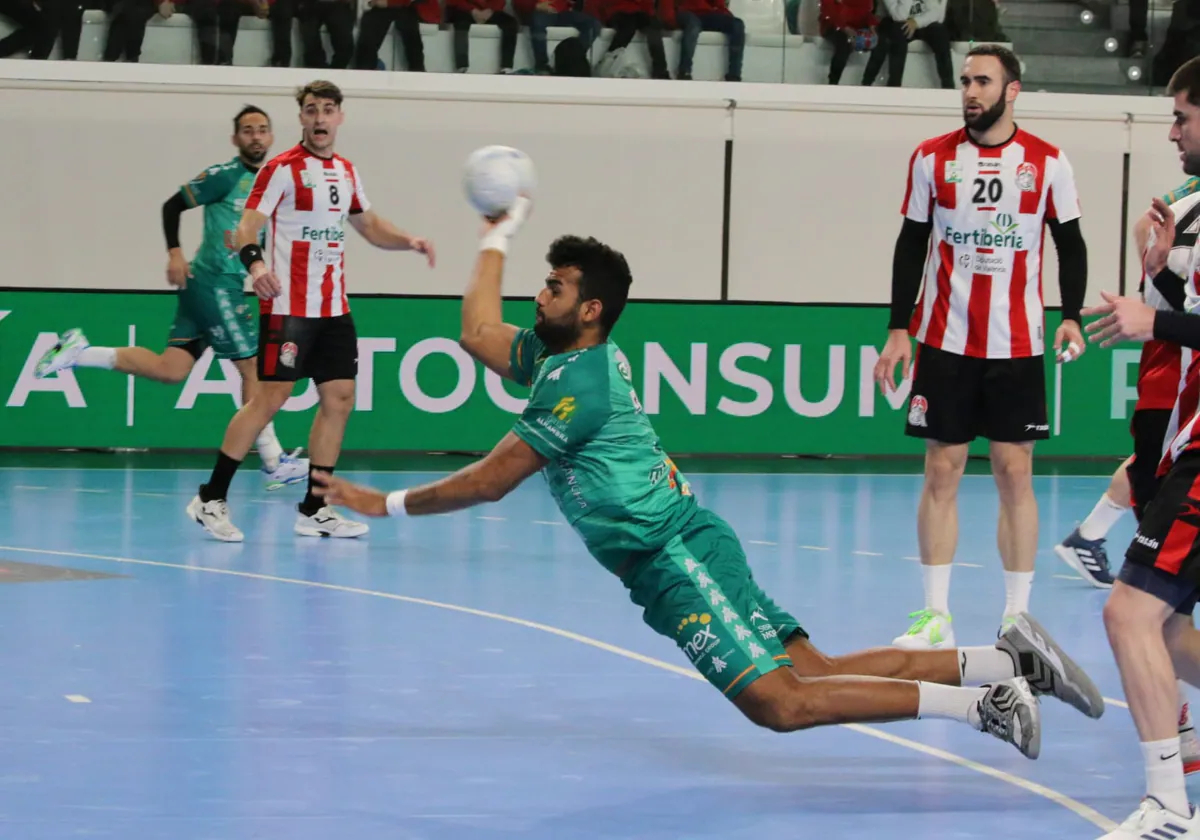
(1181, 44)
(696, 16)
(974, 20)
(540, 14)
(627, 18)
(373, 27)
(127, 21)
(216, 24)
(849, 26)
(1139, 38)
(337, 16)
(906, 20)
(461, 14)
(35, 30)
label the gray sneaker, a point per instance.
(1047, 667)
(1010, 712)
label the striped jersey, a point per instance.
(982, 289)
(306, 200)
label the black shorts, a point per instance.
(956, 399)
(1149, 429)
(1164, 556)
(321, 349)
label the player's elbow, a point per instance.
(493, 490)
(471, 341)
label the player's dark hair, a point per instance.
(245, 112)
(604, 274)
(1007, 58)
(320, 89)
(1186, 80)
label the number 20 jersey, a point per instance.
(982, 289)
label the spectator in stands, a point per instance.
(373, 27)
(906, 20)
(216, 24)
(627, 18)
(461, 14)
(36, 28)
(696, 16)
(847, 25)
(338, 17)
(127, 21)
(540, 14)
(1139, 38)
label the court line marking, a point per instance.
(1078, 808)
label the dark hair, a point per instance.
(245, 112)
(320, 90)
(1007, 58)
(604, 274)
(1186, 80)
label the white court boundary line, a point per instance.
(1072, 805)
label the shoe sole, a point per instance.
(1068, 556)
(1087, 698)
(1029, 713)
(315, 532)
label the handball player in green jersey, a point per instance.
(211, 310)
(585, 430)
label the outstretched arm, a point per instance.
(489, 480)
(383, 234)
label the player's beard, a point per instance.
(557, 335)
(254, 155)
(987, 117)
(1191, 163)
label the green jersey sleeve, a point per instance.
(527, 350)
(567, 408)
(210, 186)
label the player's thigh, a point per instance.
(945, 400)
(335, 357)
(1164, 555)
(232, 328)
(285, 347)
(1014, 400)
(709, 614)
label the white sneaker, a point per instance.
(62, 355)
(291, 470)
(1151, 819)
(214, 517)
(327, 522)
(929, 631)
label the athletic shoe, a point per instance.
(291, 470)
(1152, 820)
(1010, 712)
(62, 355)
(327, 522)
(214, 517)
(929, 631)
(1088, 557)
(1048, 668)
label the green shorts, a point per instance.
(700, 592)
(215, 313)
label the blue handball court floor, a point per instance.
(478, 675)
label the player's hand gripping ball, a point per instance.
(495, 176)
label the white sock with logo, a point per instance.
(937, 587)
(1164, 775)
(1100, 521)
(1017, 586)
(950, 703)
(269, 448)
(977, 665)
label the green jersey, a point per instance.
(1181, 192)
(607, 470)
(222, 190)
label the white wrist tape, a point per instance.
(496, 240)
(395, 503)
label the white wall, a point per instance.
(818, 172)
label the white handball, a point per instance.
(495, 176)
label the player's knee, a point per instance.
(338, 401)
(778, 705)
(1013, 472)
(942, 476)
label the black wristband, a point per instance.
(251, 254)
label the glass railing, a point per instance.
(1064, 45)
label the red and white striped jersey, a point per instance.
(306, 200)
(982, 292)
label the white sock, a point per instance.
(98, 357)
(1164, 775)
(1185, 712)
(937, 587)
(1100, 521)
(984, 665)
(952, 703)
(269, 448)
(1017, 586)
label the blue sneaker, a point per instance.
(1087, 557)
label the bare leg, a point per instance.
(1017, 533)
(937, 666)
(173, 365)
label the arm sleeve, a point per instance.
(1171, 287)
(209, 186)
(270, 186)
(358, 201)
(172, 209)
(522, 358)
(1180, 328)
(564, 413)
(908, 267)
(1072, 266)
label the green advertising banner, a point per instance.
(715, 379)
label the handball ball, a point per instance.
(494, 176)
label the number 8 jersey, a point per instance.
(307, 200)
(982, 290)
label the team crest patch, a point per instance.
(306, 179)
(917, 407)
(287, 354)
(1027, 177)
(953, 173)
